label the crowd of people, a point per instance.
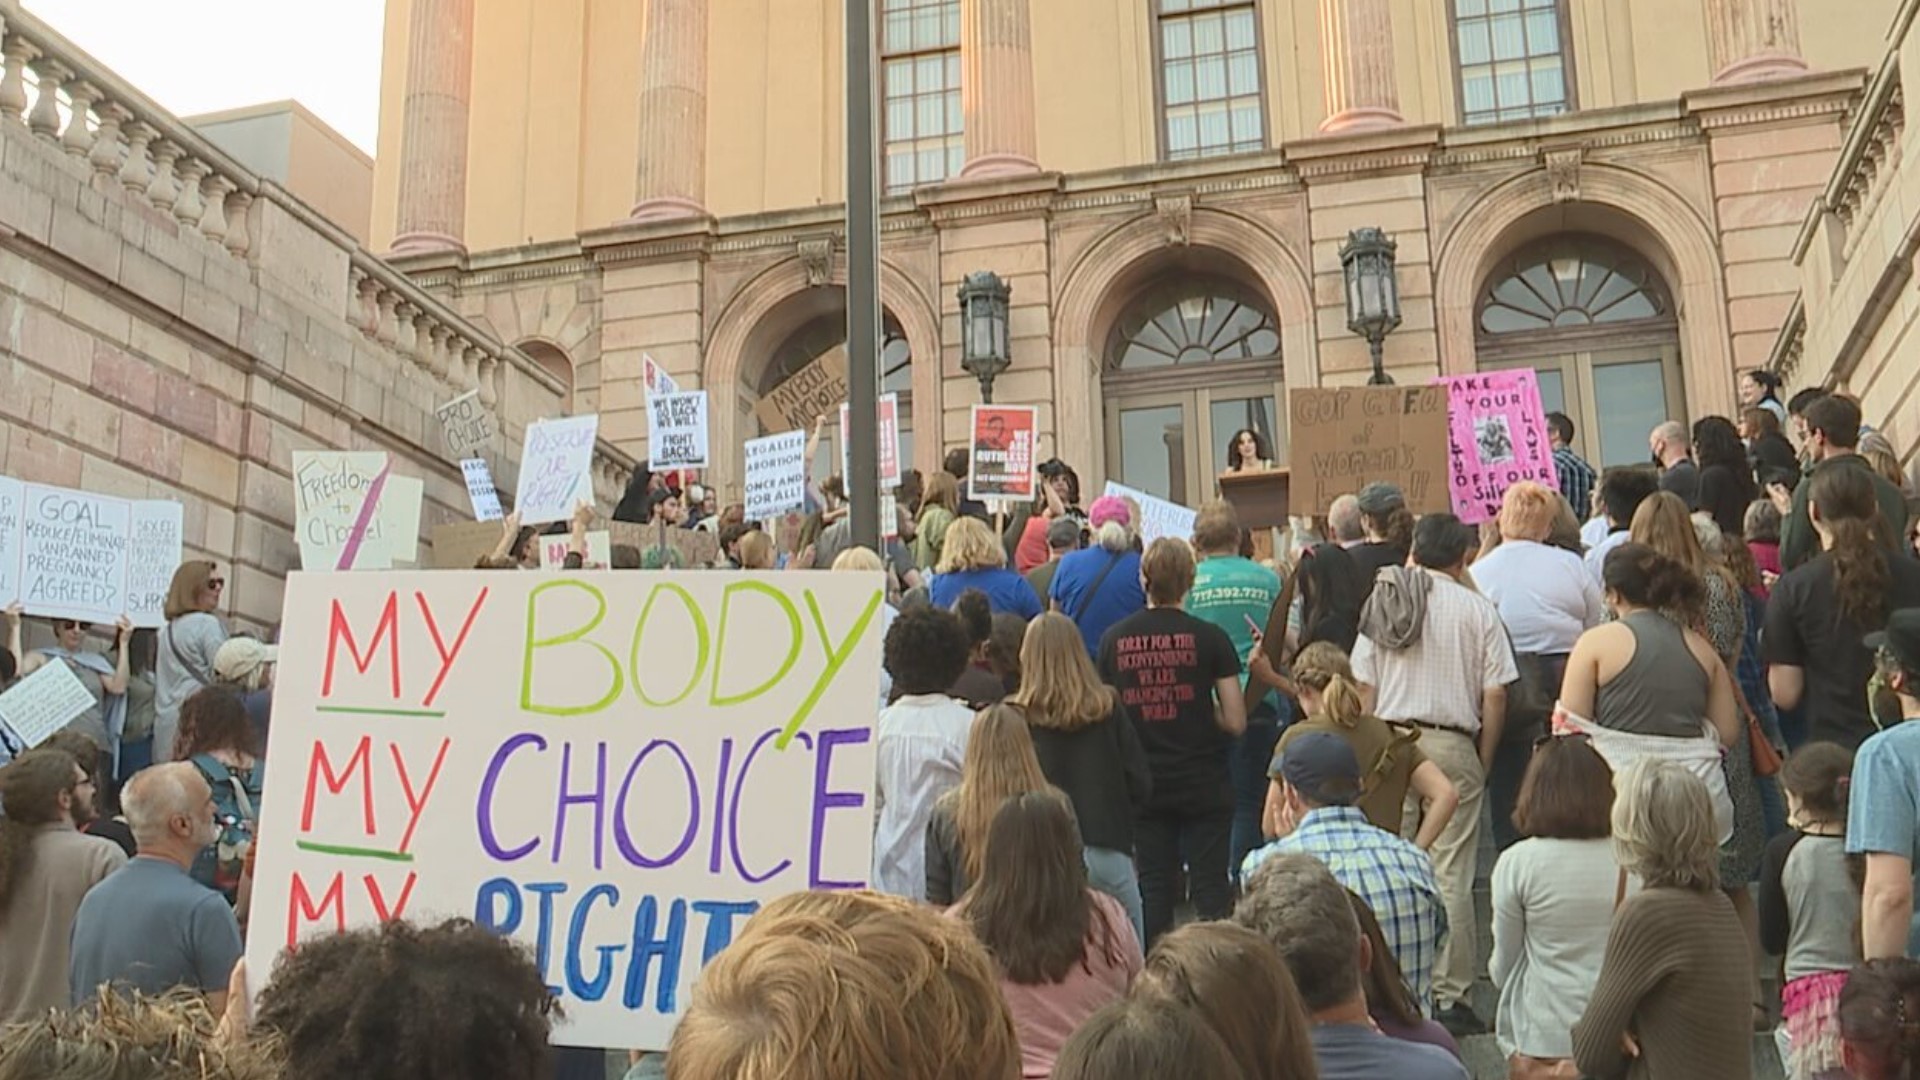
(1209, 805)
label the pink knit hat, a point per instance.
(1109, 508)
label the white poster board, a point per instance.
(466, 424)
(657, 379)
(336, 509)
(886, 430)
(677, 431)
(13, 498)
(480, 490)
(399, 517)
(1158, 517)
(553, 551)
(611, 800)
(153, 554)
(69, 554)
(776, 475)
(43, 703)
(555, 463)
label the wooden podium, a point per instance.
(1260, 498)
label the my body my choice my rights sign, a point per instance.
(617, 768)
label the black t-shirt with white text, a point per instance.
(1165, 663)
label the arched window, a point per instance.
(1192, 359)
(1596, 321)
(1192, 322)
(1571, 281)
(555, 363)
(827, 332)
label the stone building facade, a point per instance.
(1608, 192)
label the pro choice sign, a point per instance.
(617, 768)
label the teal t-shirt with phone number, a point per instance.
(1236, 595)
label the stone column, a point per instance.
(433, 144)
(671, 181)
(1356, 44)
(1754, 40)
(996, 60)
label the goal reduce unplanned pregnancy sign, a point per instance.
(617, 768)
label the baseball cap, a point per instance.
(1109, 508)
(240, 657)
(1901, 638)
(1321, 766)
(1063, 533)
(1379, 500)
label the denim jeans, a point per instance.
(1252, 755)
(1112, 872)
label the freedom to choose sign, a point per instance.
(617, 768)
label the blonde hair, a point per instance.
(942, 490)
(858, 558)
(1168, 568)
(1324, 669)
(183, 593)
(756, 551)
(847, 986)
(173, 1037)
(1059, 686)
(1664, 826)
(970, 545)
(999, 764)
(1527, 512)
(1663, 523)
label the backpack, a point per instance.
(235, 800)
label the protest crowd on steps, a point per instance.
(1214, 802)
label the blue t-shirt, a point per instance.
(1006, 590)
(1354, 1052)
(1883, 808)
(1227, 592)
(1119, 595)
(149, 927)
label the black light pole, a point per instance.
(863, 278)
(984, 350)
(1373, 293)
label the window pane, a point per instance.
(1243, 74)
(1177, 37)
(1469, 8)
(899, 169)
(1180, 82)
(1209, 36)
(899, 31)
(1183, 134)
(953, 113)
(900, 116)
(1213, 125)
(1629, 400)
(1233, 414)
(1543, 32)
(927, 23)
(1510, 82)
(1210, 77)
(1499, 7)
(1240, 32)
(1547, 84)
(1477, 90)
(1475, 47)
(1509, 37)
(930, 73)
(1246, 123)
(1153, 450)
(931, 112)
(1553, 395)
(899, 78)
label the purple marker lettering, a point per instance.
(596, 798)
(733, 811)
(624, 840)
(720, 801)
(824, 800)
(488, 839)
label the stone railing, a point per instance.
(68, 99)
(1870, 155)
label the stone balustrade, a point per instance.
(54, 92)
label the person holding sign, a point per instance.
(105, 679)
(188, 644)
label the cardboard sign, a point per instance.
(76, 555)
(336, 498)
(553, 551)
(461, 544)
(153, 554)
(1497, 437)
(43, 703)
(468, 426)
(674, 750)
(1158, 517)
(480, 490)
(1343, 439)
(886, 430)
(776, 475)
(811, 393)
(1001, 461)
(657, 379)
(677, 432)
(555, 465)
(666, 548)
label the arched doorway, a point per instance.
(1597, 322)
(810, 326)
(1189, 360)
(555, 363)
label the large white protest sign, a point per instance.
(617, 768)
(677, 435)
(554, 468)
(657, 379)
(43, 703)
(399, 516)
(68, 554)
(599, 554)
(466, 424)
(336, 503)
(13, 499)
(776, 475)
(153, 554)
(887, 434)
(1158, 517)
(480, 490)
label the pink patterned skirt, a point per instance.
(1810, 1005)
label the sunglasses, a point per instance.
(63, 625)
(216, 583)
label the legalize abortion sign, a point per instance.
(617, 768)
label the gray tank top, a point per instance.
(1662, 690)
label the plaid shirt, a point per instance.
(1393, 876)
(1576, 480)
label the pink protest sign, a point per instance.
(1497, 437)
